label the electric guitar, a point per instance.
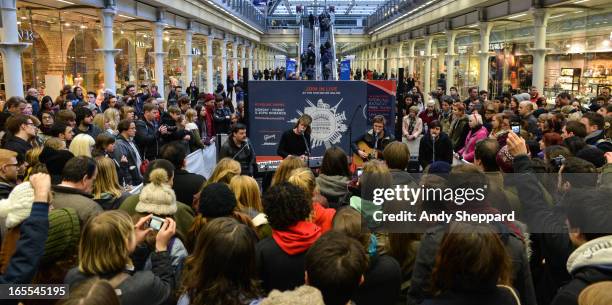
(371, 152)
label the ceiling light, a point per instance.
(580, 1)
(24, 17)
(83, 26)
(557, 16)
(64, 1)
(67, 24)
(124, 16)
(517, 16)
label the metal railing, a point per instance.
(243, 8)
(332, 41)
(317, 40)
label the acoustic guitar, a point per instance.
(372, 153)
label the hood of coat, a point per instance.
(594, 253)
(332, 185)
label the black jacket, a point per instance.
(17, 145)
(92, 130)
(381, 284)
(141, 287)
(243, 154)
(439, 150)
(277, 269)
(174, 133)
(147, 140)
(186, 185)
(222, 119)
(5, 189)
(497, 295)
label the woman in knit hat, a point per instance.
(216, 200)
(158, 198)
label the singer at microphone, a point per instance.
(296, 141)
(435, 146)
(237, 147)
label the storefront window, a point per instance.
(468, 69)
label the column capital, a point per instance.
(14, 46)
(109, 11)
(540, 16)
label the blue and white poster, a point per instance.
(290, 67)
(275, 106)
(345, 70)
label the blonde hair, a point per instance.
(125, 110)
(113, 117)
(81, 145)
(99, 121)
(375, 167)
(303, 178)
(107, 180)
(284, 169)
(247, 193)
(224, 172)
(55, 143)
(104, 247)
(191, 115)
(6, 155)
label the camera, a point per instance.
(155, 223)
(516, 127)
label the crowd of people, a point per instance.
(94, 194)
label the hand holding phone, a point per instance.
(516, 127)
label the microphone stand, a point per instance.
(350, 127)
(307, 150)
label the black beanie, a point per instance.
(55, 160)
(593, 155)
(217, 200)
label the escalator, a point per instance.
(328, 64)
(306, 38)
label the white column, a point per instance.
(108, 51)
(450, 60)
(427, 72)
(485, 31)
(540, 21)
(400, 57)
(209, 64)
(256, 63)
(411, 45)
(11, 50)
(188, 74)
(159, 54)
(251, 62)
(224, 63)
(243, 59)
(235, 60)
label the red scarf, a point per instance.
(297, 238)
(210, 127)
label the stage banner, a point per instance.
(345, 70)
(381, 100)
(290, 67)
(275, 107)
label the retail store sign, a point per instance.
(196, 51)
(499, 46)
(143, 45)
(26, 35)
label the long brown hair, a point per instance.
(222, 269)
(285, 168)
(471, 256)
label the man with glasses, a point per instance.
(20, 131)
(8, 172)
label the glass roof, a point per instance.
(342, 7)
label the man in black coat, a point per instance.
(185, 184)
(148, 133)
(435, 146)
(238, 148)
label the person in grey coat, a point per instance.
(127, 155)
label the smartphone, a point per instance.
(516, 127)
(156, 223)
(359, 172)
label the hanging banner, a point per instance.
(290, 67)
(275, 107)
(345, 70)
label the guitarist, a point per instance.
(376, 138)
